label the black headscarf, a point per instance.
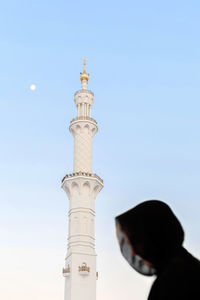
(153, 230)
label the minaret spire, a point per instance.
(84, 64)
(82, 187)
(84, 76)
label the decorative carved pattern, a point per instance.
(83, 150)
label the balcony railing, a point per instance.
(84, 268)
(82, 174)
(83, 118)
(84, 92)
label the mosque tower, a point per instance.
(82, 187)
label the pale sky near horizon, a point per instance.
(144, 65)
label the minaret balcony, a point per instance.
(83, 118)
(77, 174)
(83, 125)
(84, 92)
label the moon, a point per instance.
(32, 87)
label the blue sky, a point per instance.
(144, 65)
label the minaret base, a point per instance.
(80, 262)
(81, 282)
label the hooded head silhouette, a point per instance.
(153, 230)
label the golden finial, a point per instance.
(84, 64)
(84, 75)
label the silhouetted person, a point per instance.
(151, 238)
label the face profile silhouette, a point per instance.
(151, 238)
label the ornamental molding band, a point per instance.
(81, 187)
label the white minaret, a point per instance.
(82, 187)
